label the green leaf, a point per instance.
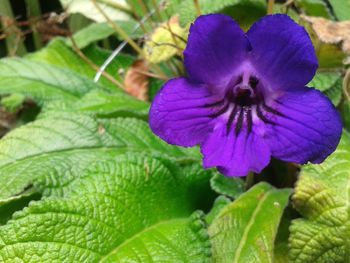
(322, 198)
(188, 11)
(170, 241)
(346, 114)
(220, 202)
(59, 54)
(229, 186)
(245, 230)
(314, 8)
(105, 105)
(13, 102)
(341, 9)
(41, 82)
(99, 31)
(66, 143)
(330, 83)
(113, 210)
(114, 9)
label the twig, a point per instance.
(93, 65)
(270, 5)
(198, 9)
(120, 47)
(118, 29)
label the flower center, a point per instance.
(243, 99)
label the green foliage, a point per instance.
(229, 186)
(330, 83)
(239, 8)
(93, 221)
(341, 9)
(322, 198)
(245, 230)
(314, 8)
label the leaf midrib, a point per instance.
(244, 238)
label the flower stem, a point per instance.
(270, 5)
(198, 9)
(346, 85)
(249, 180)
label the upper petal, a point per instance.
(282, 52)
(180, 113)
(216, 46)
(235, 155)
(308, 127)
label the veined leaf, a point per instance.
(341, 9)
(58, 147)
(245, 230)
(330, 83)
(114, 9)
(314, 8)
(41, 82)
(188, 11)
(98, 31)
(322, 198)
(229, 186)
(94, 222)
(58, 53)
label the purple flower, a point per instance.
(244, 100)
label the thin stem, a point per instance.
(14, 44)
(346, 85)
(249, 180)
(92, 65)
(156, 7)
(198, 9)
(119, 30)
(34, 10)
(270, 5)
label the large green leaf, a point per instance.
(341, 8)
(247, 9)
(58, 53)
(322, 198)
(330, 83)
(114, 9)
(55, 149)
(41, 82)
(131, 210)
(314, 8)
(245, 230)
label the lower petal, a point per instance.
(179, 114)
(308, 127)
(235, 155)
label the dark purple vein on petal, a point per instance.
(231, 118)
(223, 110)
(271, 110)
(262, 117)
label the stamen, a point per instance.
(239, 122)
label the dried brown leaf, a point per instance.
(331, 32)
(136, 80)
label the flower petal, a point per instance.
(180, 113)
(282, 52)
(216, 46)
(308, 128)
(235, 155)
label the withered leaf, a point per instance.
(136, 80)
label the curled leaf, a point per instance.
(166, 41)
(330, 32)
(136, 81)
